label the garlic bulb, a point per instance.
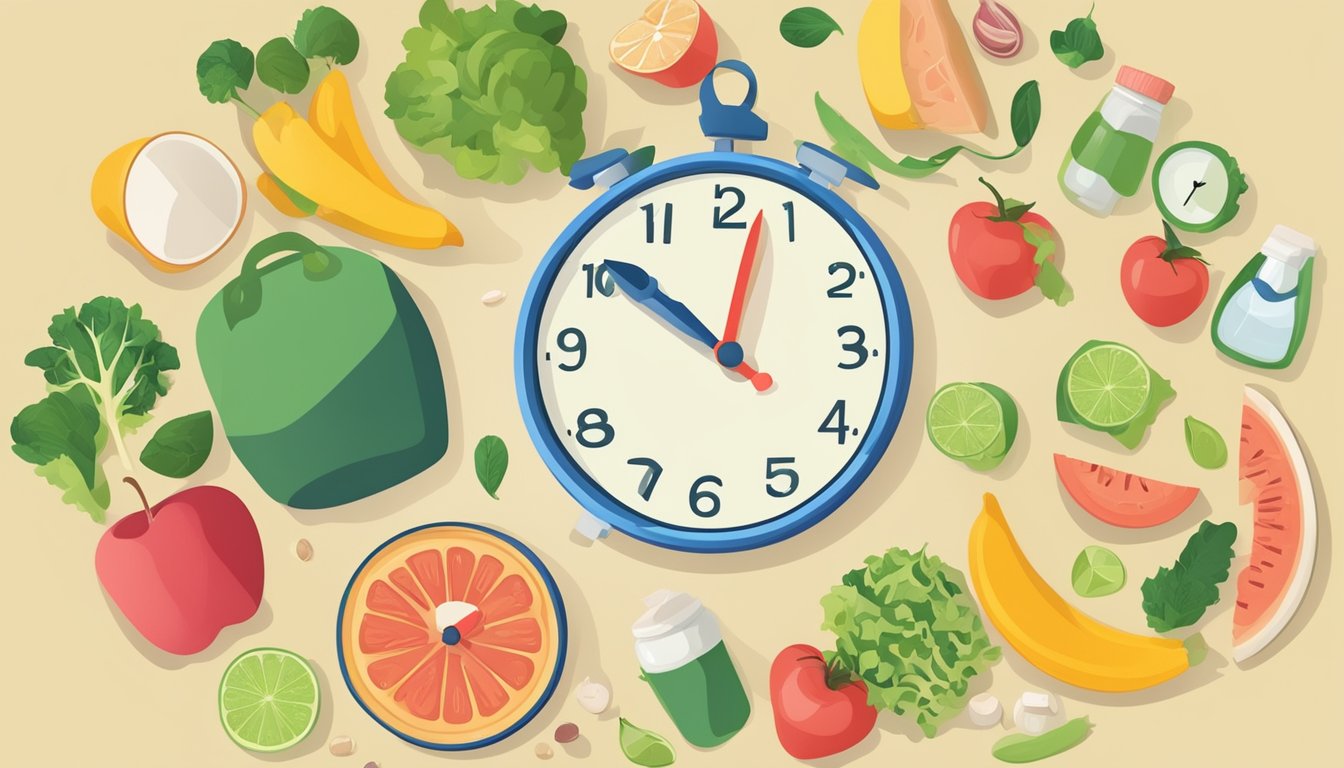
(997, 30)
(594, 697)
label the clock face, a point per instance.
(1193, 184)
(644, 409)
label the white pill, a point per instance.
(492, 297)
(985, 710)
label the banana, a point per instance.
(332, 115)
(880, 66)
(1051, 634)
(294, 151)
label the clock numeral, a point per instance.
(788, 209)
(834, 423)
(856, 346)
(698, 496)
(721, 216)
(841, 289)
(594, 420)
(652, 471)
(572, 340)
(598, 280)
(649, 223)
(772, 471)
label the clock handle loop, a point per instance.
(725, 123)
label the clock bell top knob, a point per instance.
(725, 123)
(826, 167)
(607, 168)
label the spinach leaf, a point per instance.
(281, 66)
(492, 461)
(181, 446)
(851, 144)
(323, 32)
(223, 69)
(1206, 446)
(807, 27)
(1177, 597)
(1078, 43)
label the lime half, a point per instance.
(964, 420)
(1108, 385)
(268, 700)
(1097, 572)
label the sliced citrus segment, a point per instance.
(674, 43)
(451, 636)
(268, 699)
(1108, 385)
(964, 420)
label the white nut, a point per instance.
(985, 710)
(1037, 712)
(594, 697)
(342, 746)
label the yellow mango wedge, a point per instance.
(293, 151)
(1055, 637)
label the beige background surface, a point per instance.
(85, 77)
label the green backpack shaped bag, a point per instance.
(323, 373)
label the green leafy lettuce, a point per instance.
(1177, 597)
(906, 626)
(490, 90)
(105, 369)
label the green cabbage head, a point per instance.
(490, 90)
(907, 627)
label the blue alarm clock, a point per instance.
(715, 353)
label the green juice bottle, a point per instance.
(683, 658)
(1108, 158)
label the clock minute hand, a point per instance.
(1193, 189)
(643, 289)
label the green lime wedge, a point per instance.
(1108, 385)
(1097, 572)
(965, 420)
(1206, 446)
(268, 700)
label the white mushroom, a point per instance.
(1037, 712)
(985, 710)
(594, 697)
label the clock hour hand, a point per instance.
(1193, 189)
(642, 288)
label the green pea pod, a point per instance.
(1021, 748)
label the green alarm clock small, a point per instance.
(1196, 185)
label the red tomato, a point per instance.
(1163, 281)
(811, 718)
(992, 258)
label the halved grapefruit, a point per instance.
(673, 43)
(1274, 477)
(451, 635)
(1122, 499)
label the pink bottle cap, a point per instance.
(1141, 82)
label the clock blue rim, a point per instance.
(562, 631)
(895, 387)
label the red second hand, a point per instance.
(759, 379)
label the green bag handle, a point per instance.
(242, 295)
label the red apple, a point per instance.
(818, 711)
(184, 569)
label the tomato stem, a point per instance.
(837, 674)
(1007, 212)
(1175, 251)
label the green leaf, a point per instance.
(223, 69)
(1178, 596)
(281, 66)
(1078, 43)
(324, 32)
(645, 748)
(181, 446)
(1206, 446)
(1026, 112)
(807, 27)
(1048, 279)
(492, 461)
(107, 368)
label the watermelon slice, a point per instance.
(1274, 478)
(1122, 499)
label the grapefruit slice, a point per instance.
(1122, 499)
(452, 636)
(673, 43)
(1274, 477)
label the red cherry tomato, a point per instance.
(1163, 281)
(991, 258)
(812, 719)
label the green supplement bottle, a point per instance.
(1108, 158)
(683, 658)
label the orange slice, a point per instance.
(463, 684)
(674, 43)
